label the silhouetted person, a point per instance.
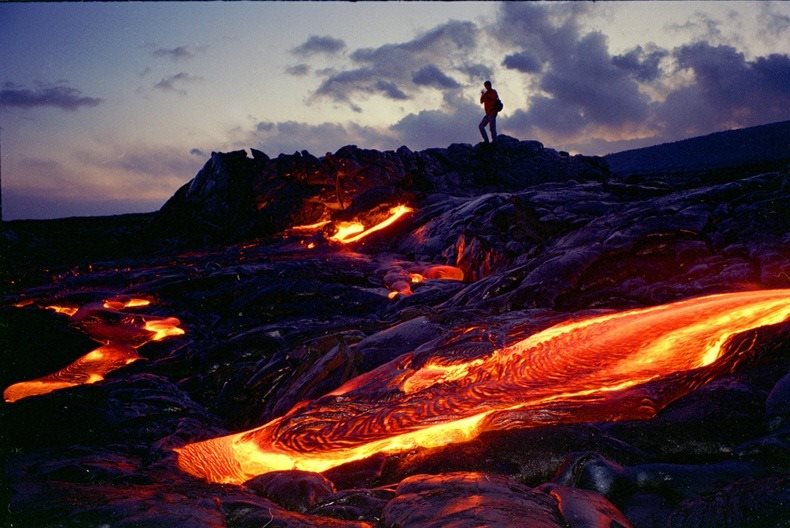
(488, 98)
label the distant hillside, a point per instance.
(761, 147)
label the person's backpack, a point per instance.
(498, 106)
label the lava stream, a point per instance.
(584, 370)
(353, 231)
(95, 365)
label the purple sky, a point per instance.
(108, 108)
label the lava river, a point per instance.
(625, 365)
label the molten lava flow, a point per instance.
(399, 281)
(347, 230)
(162, 328)
(576, 371)
(95, 365)
(68, 310)
(90, 368)
(309, 227)
(353, 231)
(443, 272)
(120, 304)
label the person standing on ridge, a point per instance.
(488, 98)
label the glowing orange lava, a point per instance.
(309, 227)
(68, 310)
(349, 232)
(592, 369)
(162, 328)
(443, 272)
(120, 304)
(95, 365)
(90, 368)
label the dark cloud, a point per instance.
(180, 53)
(377, 70)
(644, 65)
(475, 72)
(728, 91)
(546, 31)
(197, 152)
(59, 96)
(450, 37)
(175, 83)
(430, 75)
(547, 114)
(581, 87)
(772, 23)
(292, 136)
(325, 72)
(523, 61)
(298, 70)
(315, 45)
(456, 122)
(774, 72)
(390, 90)
(344, 86)
(589, 85)
(340, 86)
(702, 26)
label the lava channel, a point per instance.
(625, 365)
(122, 335)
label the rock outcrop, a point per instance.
(235, 197)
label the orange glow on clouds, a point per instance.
(580, 370)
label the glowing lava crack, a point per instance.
(620, 365)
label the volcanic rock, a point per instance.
(777, 405)
(503, 242)
(469, 499)
(584, 509)
(234, 197)
(294, 490)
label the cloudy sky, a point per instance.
(109, 108)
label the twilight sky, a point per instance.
(108, 108)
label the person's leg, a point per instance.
(482, 128)
(492, 124)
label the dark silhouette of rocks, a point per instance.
(541, 237)
(235, 197)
